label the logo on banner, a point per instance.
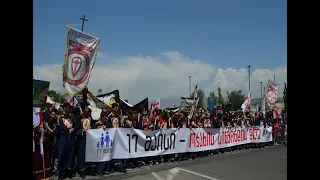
(104, 144)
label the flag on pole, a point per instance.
(80, 57)
(156, 104)
(246, 103)
(72, 100)
(195, 97)
(277, 113)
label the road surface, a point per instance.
(256, 164)
(253, 164)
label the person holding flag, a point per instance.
(43, 137)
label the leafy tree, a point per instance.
(201, 96)
(56, 97)
(212, 95)
(220, 99)
(235, 99)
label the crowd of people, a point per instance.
(63, 135)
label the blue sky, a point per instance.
(220, 34)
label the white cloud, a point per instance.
(163, 76)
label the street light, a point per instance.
(261, 88)
(190, 86)
(249, 66)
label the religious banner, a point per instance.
(272, 94)
(40, 92)
(80, 57)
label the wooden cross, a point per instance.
(83, 19)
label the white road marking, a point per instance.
(172, 173)
(198, 174)
(156, 176)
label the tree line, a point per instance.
(232, 102)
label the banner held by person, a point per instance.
(125, 143)
(80, 57)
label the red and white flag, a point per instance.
(246, 103)
(71, 100)
(277, 113)
(272, 93)
(156, 104)
(80, 58)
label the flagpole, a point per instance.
(43, 165)
(44, 171)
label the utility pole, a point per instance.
(249, 66)
(83, 19)
(190, 86)
(261, 89)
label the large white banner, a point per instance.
(138, 143)
(80, 57)
(123, 143)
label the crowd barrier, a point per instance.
(124, 143)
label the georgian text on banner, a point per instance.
(125, 143)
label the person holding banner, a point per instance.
(114, 121)
(102, 167)
(63, 129)
(82, 124)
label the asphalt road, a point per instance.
(253, 164)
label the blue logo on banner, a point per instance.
(104, 144)
(105, 141)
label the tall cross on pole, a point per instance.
(83, 19)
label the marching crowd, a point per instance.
(63, 135)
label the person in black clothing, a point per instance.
(183, 121)
(114, 121)
(102, 167)
(81, 127)
(64, 127)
